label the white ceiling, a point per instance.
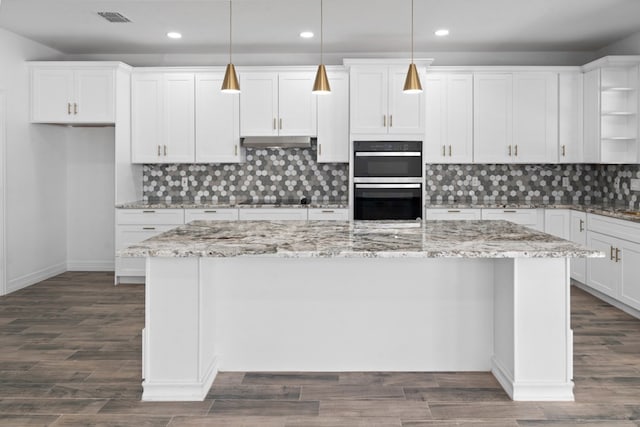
(272, 26)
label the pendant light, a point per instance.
(321, 85)
(230, 83)
(412, 82)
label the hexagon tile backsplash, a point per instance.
(275, 175)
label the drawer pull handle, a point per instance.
(159, 151)
(581, 225)
(165, 150)
(75, 108)
(274, 123)
(564, 150)
(449, 151)
(509, 150)
(509, 211)
(454, 211)
(618, 255)
(210, 211)
(516, 152)
(611, 254)
(444, 150)
(328, 211)
(148, 211)
(390, 120)
(148, 228)
(280, 124)
(68, 108)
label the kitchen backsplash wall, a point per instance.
(511, 183)
(268, 175)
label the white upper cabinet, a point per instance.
(274, 103)
(493, 118)
(66, 94)
(333, 120)
(516, 117)
(570, 122)
(163, 118)
(217, 122)
(591, 132)
(535, 117)
(449, 118)
(378, 104)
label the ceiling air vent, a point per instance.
(114, 17)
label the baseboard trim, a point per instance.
(532, 391)
(91, 265)
(35, 277)
(180, 392)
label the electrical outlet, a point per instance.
(635, 185)
(616, 183)
(475, 181)
(185, 181)
(565, 181)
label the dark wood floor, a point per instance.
(70, 356)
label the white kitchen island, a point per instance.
(357, 296)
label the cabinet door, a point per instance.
(219, 214)
(603, 274)
(146, 118)
(259, 104)
(459, 114)
(535, 117)
(592, 116)
(629, 261)
(406, 110)
(578, 234)
(296, 104)
(557, 222)
(179, 118)
(492, 118)
(453, 214)
(217, 122)
(94, 100)
(333, 121)
(570, 128)
(435, 141)
(272, 214)
(51, 96)
(369, 100)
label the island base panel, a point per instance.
(332, 314)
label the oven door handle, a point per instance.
(388, 185)
(388, 154)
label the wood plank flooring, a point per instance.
(70, 356)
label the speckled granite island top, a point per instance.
(357, 239)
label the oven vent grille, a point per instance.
(114, 17)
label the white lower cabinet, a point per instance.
(272, 214)
(223, 214)
(316, 214)
(557, 223)
(578, 234)
(532, 218)
(617, 274)
(452, 214)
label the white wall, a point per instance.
(36, 173)
(90, 199)
(627, 46)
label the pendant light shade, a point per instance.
(321, 85)
(412, 82)
(230, 83)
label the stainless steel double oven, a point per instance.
(387, 179)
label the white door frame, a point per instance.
(3, 205)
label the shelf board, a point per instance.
(618, 89)
(618, 113)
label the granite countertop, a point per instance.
(244, 204)
(611, 210)
(357, 239)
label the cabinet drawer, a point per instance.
(225, 214)
(329, 214)
(131, 234)
(274, 214)
(621, 229)
(519, 216)
(453, 214)
(150, 216)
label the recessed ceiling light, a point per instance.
(306, 34)
(174, 35)
(442, 32)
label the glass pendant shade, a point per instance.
(321, 85)
(412, 82)
(230, 83)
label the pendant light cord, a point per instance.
(230, 30)
(321, 33)
(412, 31)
